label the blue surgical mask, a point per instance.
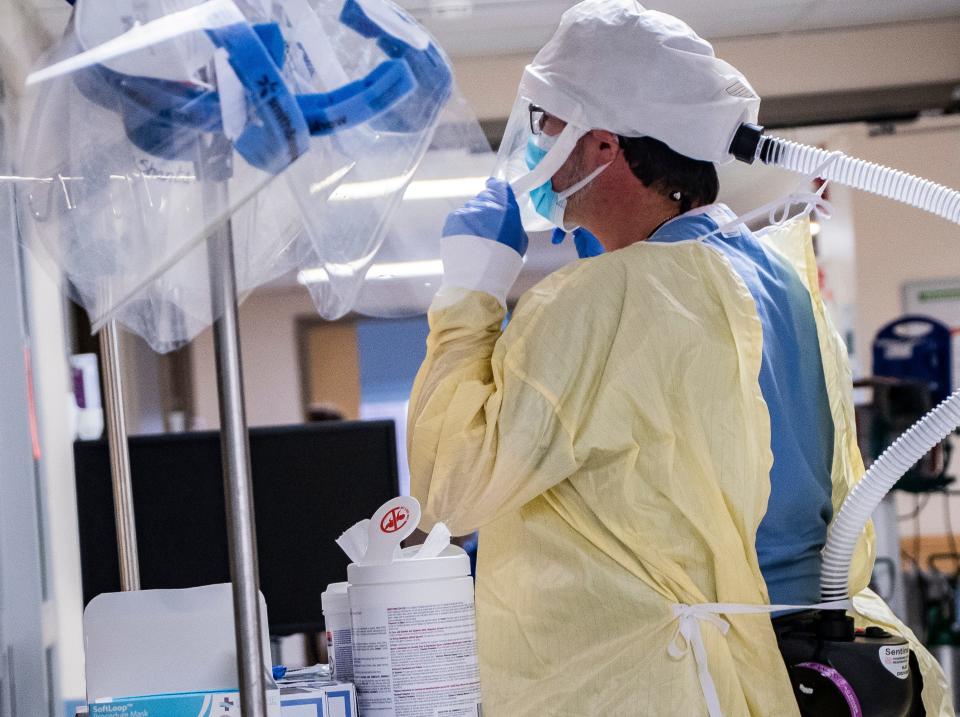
(548, 203)
(543, 197)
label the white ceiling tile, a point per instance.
(506, 26)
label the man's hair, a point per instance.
(668, 172)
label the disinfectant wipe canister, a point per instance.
(414, 627)
(336, 618)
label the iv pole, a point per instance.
(119, 458)
(234, 440)
(234, 446)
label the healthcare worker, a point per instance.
(665, 424)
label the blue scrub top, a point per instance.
(794, 529)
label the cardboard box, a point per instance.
(321, 699)
(187, 704)
(167, 653)
(335, 699)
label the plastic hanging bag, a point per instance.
(154, 123)
(145, 133)
(406, 271)
(356, 183)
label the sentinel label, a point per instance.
(896, 658)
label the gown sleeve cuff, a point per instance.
(472, 263)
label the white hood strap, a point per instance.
(553, 160)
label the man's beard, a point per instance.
(575, 173)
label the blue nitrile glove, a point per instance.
(586, 243)
(493, 214)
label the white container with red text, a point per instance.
(414, 636)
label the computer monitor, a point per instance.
(310, 483)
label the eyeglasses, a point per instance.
(538, 118)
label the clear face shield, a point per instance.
(536, 144)
(152, 123)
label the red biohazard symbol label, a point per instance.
(394, 520)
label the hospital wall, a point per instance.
(363, 367)
(897, 244)
(271, 362)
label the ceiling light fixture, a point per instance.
(453, 188)
(421, 269)
(380, 272)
